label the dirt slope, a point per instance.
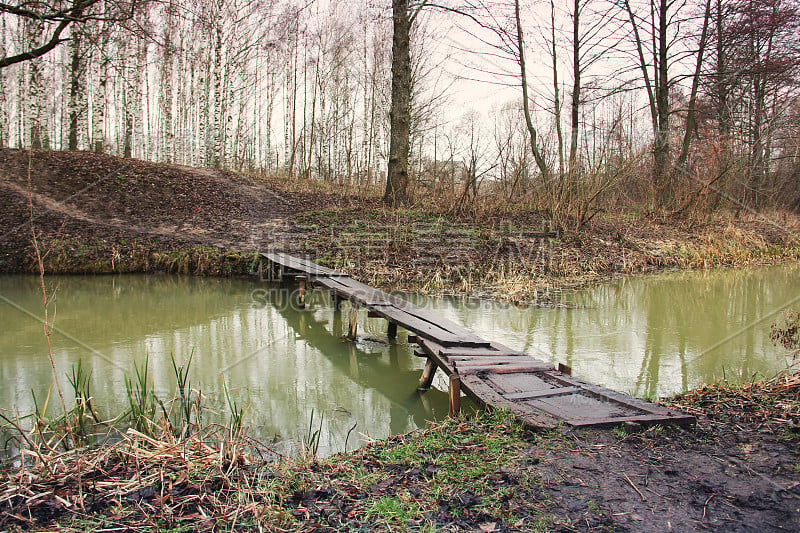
(91, 207)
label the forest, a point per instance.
(673, 106)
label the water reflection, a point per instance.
(283, 363)
(654, 335)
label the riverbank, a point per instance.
(97, 214)
(737, 470)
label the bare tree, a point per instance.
(56, 17)
(657, 84)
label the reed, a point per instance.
(310, 444)
(188, 401)
(142, 400)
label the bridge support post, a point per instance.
(392, 331)
(337, 302)
(427, 375)
(455, 394)
(301, 291)
(353, 329)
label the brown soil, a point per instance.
(96, 213)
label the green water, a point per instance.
(283, 363)
(653, 335)
(648, 336)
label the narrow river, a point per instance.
(647, 336)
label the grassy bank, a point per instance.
(518, 256)
(481, 474)
(101, 256)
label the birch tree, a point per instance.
(167, 128)
(101, 61)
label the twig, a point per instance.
(644, 498)
(705, 505)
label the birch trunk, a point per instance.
(99, 101)
(77, 108)
(165, 96)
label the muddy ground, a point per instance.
(738, 470)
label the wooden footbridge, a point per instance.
(493, 375)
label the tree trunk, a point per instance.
(400, 114)
(690, 116)
(576, 88)
(218, 132)
(99, 102)
(533, 136)
(556, 93)
(75, 90)
(662, 176)
(38, 118)
(721, 82)
(167, 127)
(3, 92)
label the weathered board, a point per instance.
(298, 265)
(489, 372)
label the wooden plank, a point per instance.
(530, 388)
(579, 406)
(431, 347)
(300, 264)
(511, 383)
(492, 389)
(421, 328)
(478, 352)
(479, 361)
(455, 395)
(430, 316)
(529, 395)
(427, 375)
(607, 395)
(484, 395)
(352, 330)
(504, 369)
(370, 297)
(424, 328)
(672, 417)
(381, 305)
(356, 287)
(401, 312)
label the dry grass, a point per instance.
(506, 256)
(771, 403)
(209, 476)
